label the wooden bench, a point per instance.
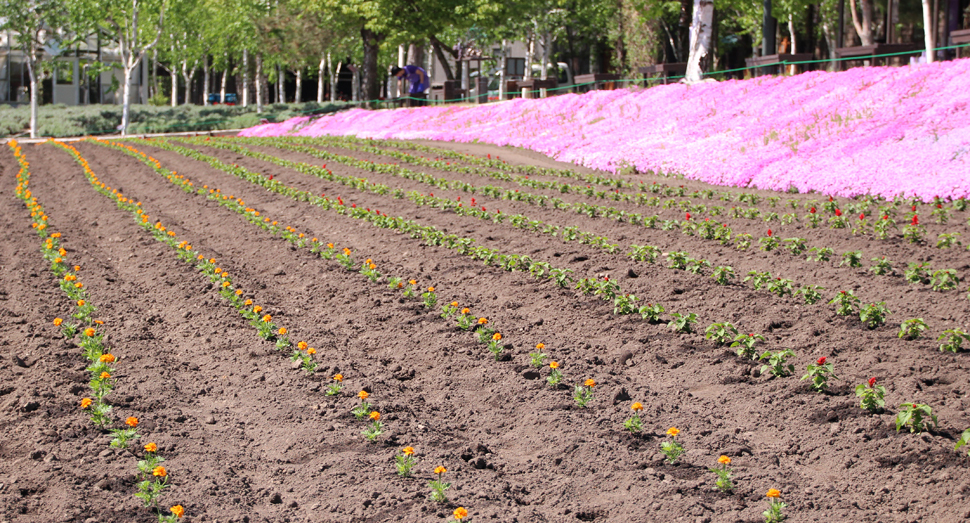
(662, 72)
(534, 84)
(772, 63)
(958, 38)
(870, 52)
(597, 81)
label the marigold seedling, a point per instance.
(745, 342)
(917, 272)
(964, 441)
(774, 513)
(723, 274)
(337, 385)
(944, 280)
(583, 394)
(651, 312)
(634, 424)
(376, 427)
(438, 486)
(723, 474)
(672, 449)
(555, 375)
(810, 293)
(538, 357)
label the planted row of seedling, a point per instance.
(152, 477)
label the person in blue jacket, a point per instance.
(414, 74)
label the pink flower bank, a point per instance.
(876, 130)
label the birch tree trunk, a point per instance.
(222, 88)
(334, 77)
(205, 80)
(31, 71)
(297, 97)
(864, 29)
(700, 39)
(530, 54)
(259, 83)
(173, 72)
(320, 84)
(245, 78)
(280, 93)
(503, 64)
(928, 32)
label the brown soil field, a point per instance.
(248, 436)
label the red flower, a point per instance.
(271, 177)
(353, 205)
(862, 216)
(914, 208)
(431, 194)
(688, 216)
(838, 212)
(886, 217)
(812, 210)
(939, 206)
(769, 232)
(872, 381)
(821, 361)
(830, 198)
(915, 220)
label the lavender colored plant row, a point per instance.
(876, 130)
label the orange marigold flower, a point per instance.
(430, 289)
(248, 303)
(368, 261)
(330, 246)
(226, 284)
(724, 460)
(363, 395)
(107, 358)
(466, 310)
(61, 251)
(338, 377)
(89, 331)
(408, 451)
(554, 364)
(238, 292)
(497, 336)
(151, 447)
(301, 345)
(257, 309)
(178, 511)
(482, 321)
(58, 322)
(460, 513)
(590, 383)
(637, 407)
(282, 331)
(99, 322)
(347, 251)
(311, 351)
(376, 416)
(159, 471)
(413, 282)
(131, 421)
(86, 402)
(80, 303)
(440, 470)
(773, 493)
(105, 375)
(372, 266)
(217, 270)
(673, 431)
(212, 260)
(267, 318)
(79, 285)
(58, 260)
(454, 304)
(540, 346)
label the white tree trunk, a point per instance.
(222, 88)
(503, 64)
(259, 83)
(320, 84)
(530, 55)
(31, 66)
(205, 80)
(188, 80)
(546, 50)
(334, 77)
(126, 99)
(280, 92)
(928, 32)
(297, 97)
(864, 29)
(700, 38)
(245, 78)
(791, 33)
